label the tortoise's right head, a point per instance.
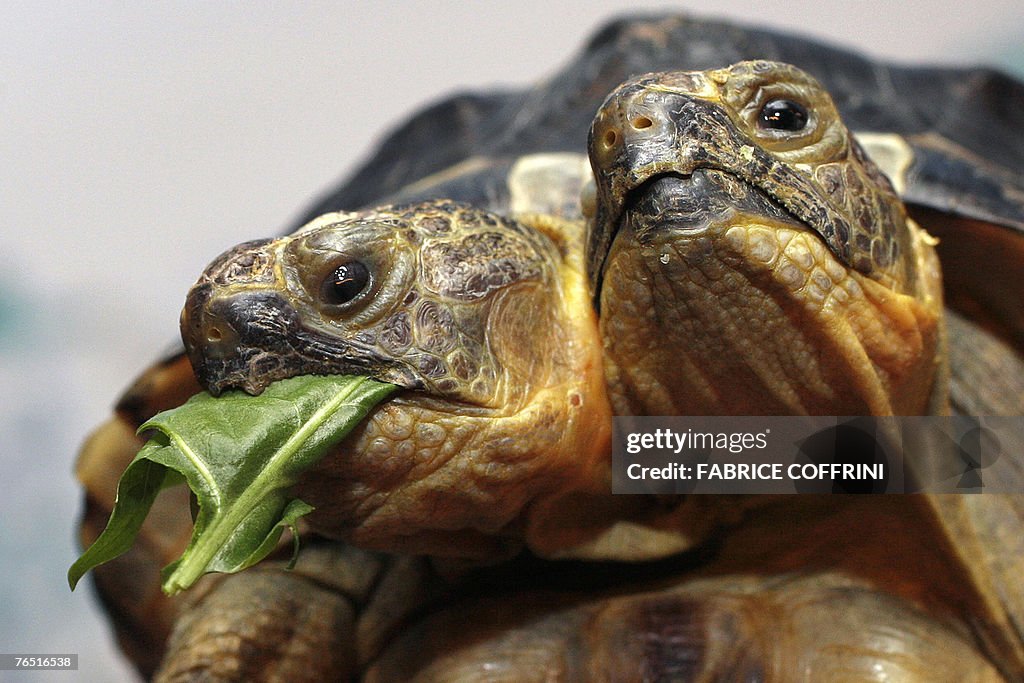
(407, 295)
(749, 258)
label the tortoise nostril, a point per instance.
(641, 122)
(611, 137)
(213, 338)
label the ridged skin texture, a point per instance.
(300, 631)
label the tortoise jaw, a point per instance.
(684, 203)
(688, 204)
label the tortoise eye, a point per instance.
(783, 115)
(344, 283)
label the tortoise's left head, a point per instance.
(475, 315)
(736, 211)
(407, 295)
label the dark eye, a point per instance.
(783, 115)
(344, 283)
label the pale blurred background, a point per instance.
(139, 141)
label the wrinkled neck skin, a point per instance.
(422, 475)
(754, 317)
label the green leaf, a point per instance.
(239, 454)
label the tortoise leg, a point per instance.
(265, 625)
(320, 621)
(823, 627)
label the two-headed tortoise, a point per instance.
(740, 252)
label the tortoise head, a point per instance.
(407, 295)
(748, 257)
(481, 318)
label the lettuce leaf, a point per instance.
(239, 454)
